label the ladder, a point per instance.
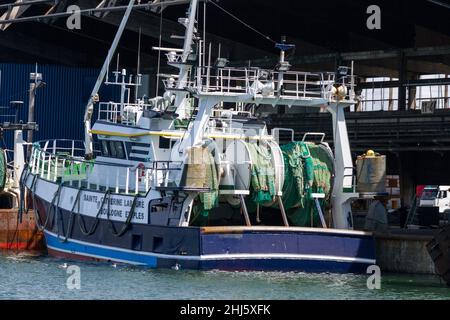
(316, 197)
(411, 219)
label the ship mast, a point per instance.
(181, 98)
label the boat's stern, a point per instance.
(286, 249)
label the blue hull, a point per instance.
(239, 256)
(226, 248)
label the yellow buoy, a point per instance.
(370, 153)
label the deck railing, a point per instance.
(127, 113)
(54, 161)
(293, 84)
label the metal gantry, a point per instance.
(17, 9)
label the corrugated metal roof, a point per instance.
(60, 104)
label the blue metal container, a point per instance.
(60, 105)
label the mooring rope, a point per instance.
(70, 222)
(127, 222)
(81, 222)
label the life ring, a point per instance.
(141, 171)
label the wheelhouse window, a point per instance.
(113, 149)
(165, 143)
(120, 150)
(105, 148)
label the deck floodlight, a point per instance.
(192, 57)
(263, 74)
(343, 71)
(283, 66)
(221, 63)
(35, 76)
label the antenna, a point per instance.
(117, 72)
(204, 32)
(138, 67)
(209, 54)
(282, 66)
(159, 52)
(208, 69)
(283, 46)
(107, 68)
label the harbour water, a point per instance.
(42, 277)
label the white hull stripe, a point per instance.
(146, 148)
(234, 256)
(138, 155)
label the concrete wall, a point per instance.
(404, 254)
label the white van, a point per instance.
(437, 197)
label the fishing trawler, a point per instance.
(17, 232)
(194, 179)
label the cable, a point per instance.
(243, 22)
(440, 3)
(23, 178)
